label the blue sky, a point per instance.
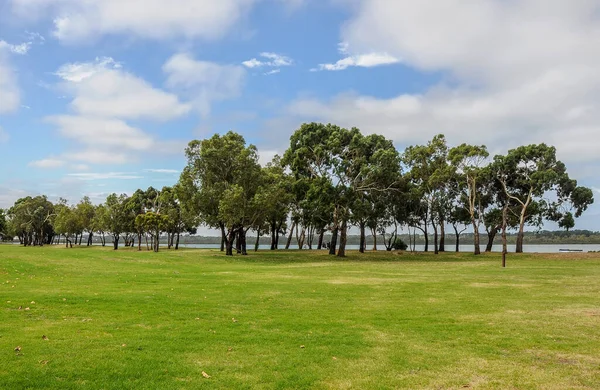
(101, 96)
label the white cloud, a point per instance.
(104, 98)
(274, 71)
(106, 176)
(103, 89)
(80, 21)
(23, 47)
(516, 72)
(272, 60)
(203, 82)
(79, 71)
(368, 60)
(48, 163)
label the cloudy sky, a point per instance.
(100, 96)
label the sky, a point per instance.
(102, 96)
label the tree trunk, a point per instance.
(504, 223)
(435, 238)
(116, 242)
(491, 236)
(229, 243)
(457, 238)
(343, 239)
(177, 241)
(476, 237)
(520, 238)
(363, 242)
(273, 229)
(426, 238)
(442, 247)
(238, 241)
(223, 237)
(302, 238)
(374, 234)
(320, 243)
(90, 236)
(243, 242)
(80, 238)
(258, 241)
(333, 244)
(289, 240)
(139, 241)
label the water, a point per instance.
(449, 248)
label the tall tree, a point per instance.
(469, 161)
(117, 215)
(527, 174)
(221, 171)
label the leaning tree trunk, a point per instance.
(426, 238)
(442, 246)
(258, 241)
(491, 236)
(333, 244)
(343, 239)
(289, 240)
(90, 237)
(363, 243)
(177, 241)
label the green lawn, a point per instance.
(140, 320)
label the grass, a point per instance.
(130, 320)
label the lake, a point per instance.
(449, 248)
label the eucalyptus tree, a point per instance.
(3, 226)
(344, 161)
(32, 218)
(527, 175)
(100, 222)
(117, 217)
(219, 182)
(67, 223)
(429, 171)
(85, 213)
(469, 161)
(277, 185)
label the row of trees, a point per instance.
(329, 179)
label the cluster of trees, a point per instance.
(328, 180)
(144, 215)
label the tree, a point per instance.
(32, 219)
(85, 212)
(219, 182)
(345, 161)
(429, 172)
(3, 226)
(468, 161)
(527, 174)
(117, 216)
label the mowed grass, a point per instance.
(283, 320)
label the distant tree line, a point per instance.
(329, 179)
